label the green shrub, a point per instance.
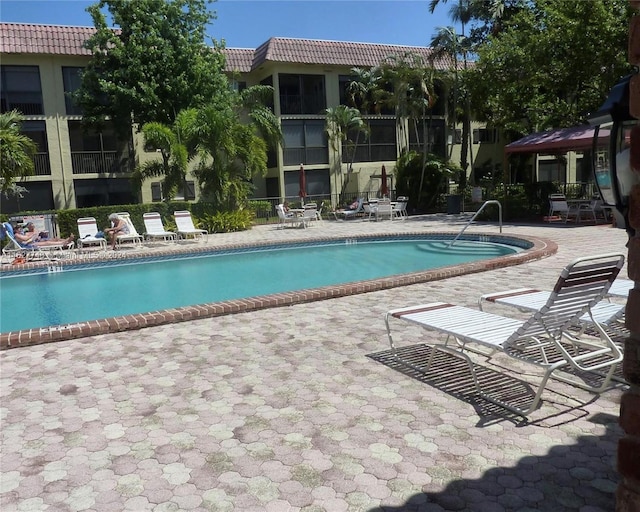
(226, 222)
(261, 209)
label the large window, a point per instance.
(435, 137)
(96, 152)
(187, 193)
(485, 135)
(552, 170)
(37, 131)
(305, 141)
(21, 90)
(72, 79)
(38, 197)
(379, 146)
(302, 94)
(104, 192)
(317, 180)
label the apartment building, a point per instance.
(40, 66)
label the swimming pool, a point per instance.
(80, 295)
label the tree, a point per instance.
(343, 123)
(171, 143)
(231, 137)
(153, 66)
(553, 63)
(16, 155)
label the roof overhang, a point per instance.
(576, 138)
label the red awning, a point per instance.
(577, 138)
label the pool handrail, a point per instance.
(491, 201)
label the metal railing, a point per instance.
(492, 201)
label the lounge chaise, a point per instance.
(546, 339)
(185, 227)
(87, 231)
(155, 228)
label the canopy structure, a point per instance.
(576, 138)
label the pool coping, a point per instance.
(540, 248)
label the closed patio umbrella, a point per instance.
(303, 184)
(384, 189)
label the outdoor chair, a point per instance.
(185, 227)
(559, 208)
(155, 229)
(87, 231)
(133, 236)
(546, 339)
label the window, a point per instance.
(21, 90)
(103, 192)
(71, 78)
(305, 141)
(96, 152)
(37, 131)
(188, 193)
(318, 183)
(302, 94)
(484, 135)
(378, 147)
(237, 85)
(551, 170)
(345, 97)
(435, 132)
(39, 197)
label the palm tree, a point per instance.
(413, 95)
(169, 142)
(343, 121)
(229, 139)
(16, 156)
(231, 151)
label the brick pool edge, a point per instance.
(541, 248)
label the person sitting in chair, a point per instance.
(118, 227)
(31, 238)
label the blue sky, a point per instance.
(249, 23)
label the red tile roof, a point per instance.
(20, 38)
(337, 53)
(44, 39)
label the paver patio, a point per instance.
(293, 409)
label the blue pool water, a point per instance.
(84, 292)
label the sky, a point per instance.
(249, 23)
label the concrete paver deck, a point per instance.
(289, 409)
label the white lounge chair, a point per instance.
(155, 229)
(14, 247)
(87, 231)
(605, 313)
(545, 339)
(347, 214)
(185, 227)
(133, 236)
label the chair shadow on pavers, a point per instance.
(450, 374)
(547, 483)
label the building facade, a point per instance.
(41, 64)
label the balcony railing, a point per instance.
(105, 162)
(42, 164)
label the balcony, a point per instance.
(42, 164)
(101, 162)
